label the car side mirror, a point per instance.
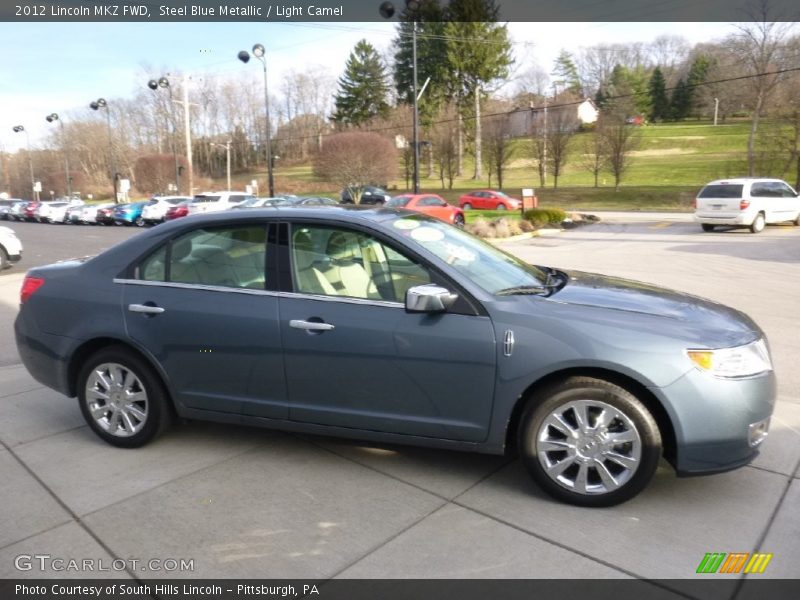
(430, 298)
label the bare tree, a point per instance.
(594, 158)
(562, 126)
(355, 159)
(445, 148)
(760, 46)
(619, 140)
(498, 147)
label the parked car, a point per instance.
(216, 201)
(10, 248)
(392, 326)
(311, 201)
(74, 214)
(105, 214)
(746, 202)
(429, 204)
(181, 209)
(56, 212)
(261, 203)
(17, 212)
(489, 199)
(370, 194)
(156, 209)
(130, 214)
(29, 212)
(5, 207)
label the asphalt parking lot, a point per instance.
(252, 503)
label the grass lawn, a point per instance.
(670, 164)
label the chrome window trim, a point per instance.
(232, 290)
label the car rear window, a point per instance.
(398, 201)
(722, 190)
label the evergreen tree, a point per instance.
(681, 101)
(683, 97)
(659, 102)
(363, 89)
(565, 74)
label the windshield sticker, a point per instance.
(459, 253)
(406, 224)
(427, 234)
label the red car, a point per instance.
(179, 210)
(29, 212)
(488, 199)
(430, 204)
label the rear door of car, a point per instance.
(356, 359)
(201, 305)
(720, 200)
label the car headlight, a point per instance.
(741, 361)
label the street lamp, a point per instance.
(163, 82)
(227, 147)
(21, 129)
(97, 105)
(54, 117)
(387, 10)
(244, 56)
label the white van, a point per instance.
(746, 202)
(214, 201)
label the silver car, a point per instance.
(391, 326)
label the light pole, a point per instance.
(54, 117)
(227, 147)
(387, 11)
(97, 105)
(163, 82)
(244, 56)
(21, 129)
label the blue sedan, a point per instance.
(130, 214)
(391, 326)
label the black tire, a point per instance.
(139, 222)
(458, 221)
(758, 224)
(4, 262)
(707, 227)
(156, 407)
(536, 435)
(467, 206)
(501, 206)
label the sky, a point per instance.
(58, 67)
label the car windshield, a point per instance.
(722, 190)
(490, 268)
(398, 201)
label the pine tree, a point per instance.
(363, 89)
(657, 90)
(565, 73)
(681, 101)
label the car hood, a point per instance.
(637, 298)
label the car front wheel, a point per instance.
(758, 224)
(458, 220)
(467, 206)
(122, 399)
(501, 206)
(707, 227)
(589, 442)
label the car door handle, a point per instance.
(144, 308)
(310, 325)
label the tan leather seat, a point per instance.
(308, 278)
(344, 272)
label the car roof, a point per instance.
(743, 180)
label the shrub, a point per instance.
(545, 216)
(526, 226)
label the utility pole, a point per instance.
(188, 132)
(544, 150)
(716, 110)
(416, 108)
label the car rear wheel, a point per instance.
(707, 227)
(758, 224)
(588, 442)
(501, 207)
(467, 206)
(122, 399)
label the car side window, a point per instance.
(341, 262)
(228, 256)
(786, 191)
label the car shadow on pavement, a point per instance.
(784, 250)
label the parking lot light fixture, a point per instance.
(163, 83)
(97, 105)
(50, 119)
(21, 129)
(260, 53)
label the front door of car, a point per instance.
(356, 359)
(200, 306)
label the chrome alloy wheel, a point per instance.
(116, 399)
(589, 447)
